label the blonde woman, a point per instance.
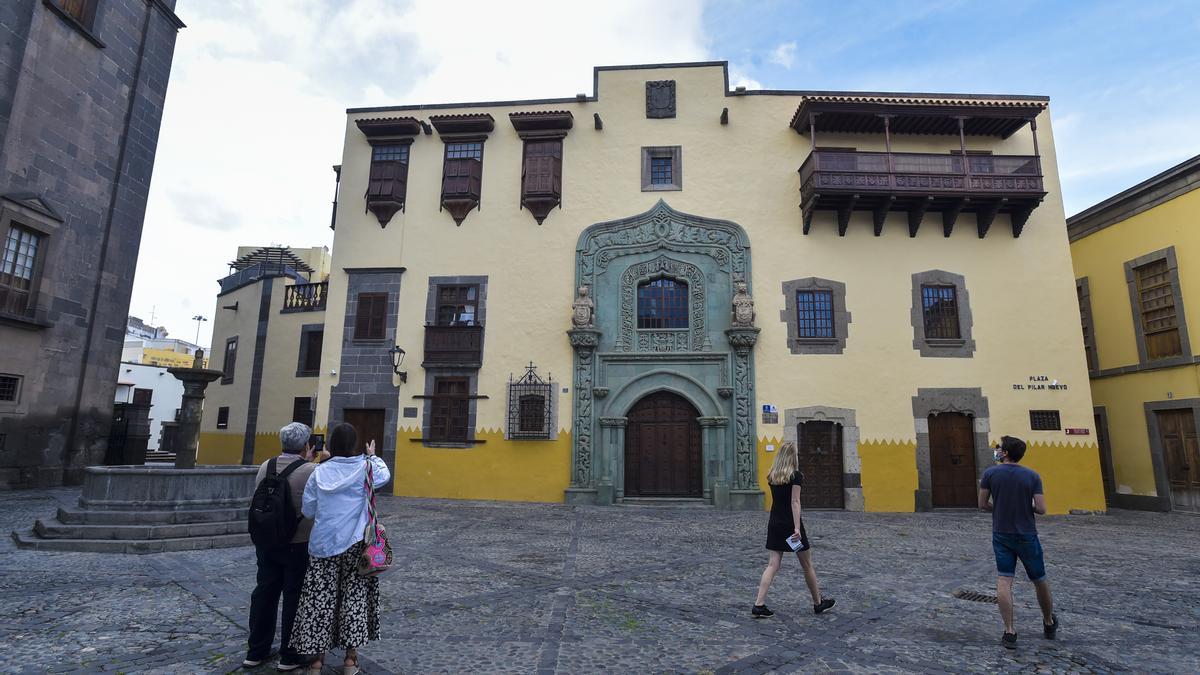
(785, 480)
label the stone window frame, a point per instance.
(15, 214)
(675, 152)
(8, 403)
(790, 316)
(306, 332)
(964, 346)
(552, 402)
(931, 401)
(472, 374)
(1084, 291)
(851, 461)
(1135, 305)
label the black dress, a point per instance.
(780, 526)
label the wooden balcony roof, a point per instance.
(541, 120)
(389, 126)
(913, 115)
(466, 123)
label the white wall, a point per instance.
(168, 394)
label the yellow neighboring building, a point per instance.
(268, 329)
(1137, 259)
(614, 298)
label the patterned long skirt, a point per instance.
(338, 608)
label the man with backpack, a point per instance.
(280, 535)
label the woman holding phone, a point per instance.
(785, 531)
(339, 608)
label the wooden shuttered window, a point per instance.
(449, 418)
(1085, 317)
(541, 171)
(462, 171)
(311, 342)
(389, 174)
(1157, 309)
(302, 410)
(370, 320)
(19, 271)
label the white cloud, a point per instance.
(784, 55)
(255, 112)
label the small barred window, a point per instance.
(1044, 420)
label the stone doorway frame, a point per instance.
(851, 462)
(933, 401)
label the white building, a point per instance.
(166, 394)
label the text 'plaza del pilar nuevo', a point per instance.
(636, 296)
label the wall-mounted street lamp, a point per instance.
(397, 355)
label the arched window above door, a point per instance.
(662, 303)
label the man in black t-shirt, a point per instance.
(1013, 494)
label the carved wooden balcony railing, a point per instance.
(305, 297)
(987, 185)
(459, 346)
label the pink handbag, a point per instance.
(376, 557)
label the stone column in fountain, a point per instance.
(195, 380)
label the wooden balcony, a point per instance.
(305, 297)
(917, 183)
(541, 185)
(453, 346)
(462, 185)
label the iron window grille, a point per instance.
(10, 387)
(529, 406)
(940, 305)
(662, 303)
(1044, 420)
(814, 314)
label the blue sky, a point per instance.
(1123, 77)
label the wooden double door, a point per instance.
(1177, 433)
(663, 448)
(820, 455)
(952, 461)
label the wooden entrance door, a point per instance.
(952, 460)
(368, 422)
(1177, 430)
(663, 448)
(821, 463)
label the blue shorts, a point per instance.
(1026, 547)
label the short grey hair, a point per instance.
(294, 436)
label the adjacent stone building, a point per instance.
(1137, 263)
(82, 84)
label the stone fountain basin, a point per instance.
(166, 488)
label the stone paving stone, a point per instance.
(525, 588)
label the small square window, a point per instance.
(1044, 420)
(662, 168)
(10, 388)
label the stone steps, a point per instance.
(53, 529)
(667, 502)
(76, 516)
(28, 539)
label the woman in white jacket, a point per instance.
(338, 608)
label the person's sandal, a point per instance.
(315, 667)
(351, 669)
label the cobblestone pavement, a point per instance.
(488, 587)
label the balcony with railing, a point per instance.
(462, 186)
(305, 297)
(453, 346)
(845, 180)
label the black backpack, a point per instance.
(273, 518)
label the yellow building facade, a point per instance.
(637, 295)
(268, 330)
(1137, 263)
